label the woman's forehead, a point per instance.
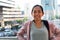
(37, 8)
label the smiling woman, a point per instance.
(38, 29)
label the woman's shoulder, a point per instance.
(26, 23)
(49, 22)
(52, 25)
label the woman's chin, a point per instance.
(37, 19)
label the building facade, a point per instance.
(8, 12)
(49, 8)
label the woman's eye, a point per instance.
(39, 11)
(35, 12)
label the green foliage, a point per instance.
(22, 21)
(19, 21)
(57, 17)
(25, 19)
(53, 17)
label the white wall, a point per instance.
(7, 3)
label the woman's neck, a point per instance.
(38, 23)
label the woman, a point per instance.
(36, 29)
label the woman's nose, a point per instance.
(37, 13)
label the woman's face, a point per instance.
(37, 13)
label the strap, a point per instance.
(47, 26)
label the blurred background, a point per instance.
(13, 13)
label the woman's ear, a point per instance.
(42, 14)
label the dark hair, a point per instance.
(38, 6)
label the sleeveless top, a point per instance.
(38, 33)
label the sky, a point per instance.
(27, 5)
(58, 1)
